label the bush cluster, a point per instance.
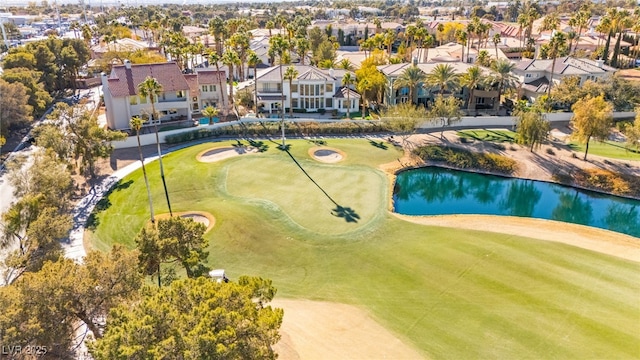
(273, 129)
(464, 159)
(602, 180)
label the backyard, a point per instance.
(322, 232)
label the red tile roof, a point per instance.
(192, 80)
(208, 77)
(124, 82)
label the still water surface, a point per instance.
(436, 191)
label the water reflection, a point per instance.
(521, 198)
(433, 191)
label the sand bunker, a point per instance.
(327, 155)
(324, 330)
(198, 216)
(218, 154)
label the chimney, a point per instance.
(127, 64)
(331, 73)
(599, 63)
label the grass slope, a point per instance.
(452, 293)
(610, 149)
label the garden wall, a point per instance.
(467, 122)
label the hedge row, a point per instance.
(602, 180)
(273, 129)
(464, 159)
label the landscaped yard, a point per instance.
(611, 149)
(452, 293)
(488, 135)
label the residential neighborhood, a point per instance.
(319, 179)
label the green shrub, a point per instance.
(463, 159)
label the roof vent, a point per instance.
(127, 64)
(599, 63)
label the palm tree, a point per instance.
(623, 22)
(412, 77)
(151, 88)
(580, 20)
(347, 81)
(210, 112)
(461, 38)
(550, 22)
(230, 58)
(444, 77)
(556, 47)
(496, 41)
(136, 124)
(278, 46)
(253, 60)
(214, 58)
(290, 74)
(303, 47)
(428, 42)
(472, 79)
(503, 75)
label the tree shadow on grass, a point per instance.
(345, 212)
(104, 203)
(378, 144)
(260, 145)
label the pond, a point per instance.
(437, 191)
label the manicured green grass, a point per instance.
(488, 135)
(454, 294)
(610, 149)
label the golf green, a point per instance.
(451, 293)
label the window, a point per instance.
(294, 103)
(142, 100)
(180, 94)
(294, 87)
(329, 87)
(204, 88)
(212, 88)
(328, 103)
(133, 100)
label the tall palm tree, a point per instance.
(496, 41)
(461, 38)
(444, 77)
(580, 20)
(214, 58)
(303, 45)
(557, 47)
(428, 42)
(253, 60)
(136, 124)
(623, 22)
(347, 81)
(230, 58)
(503, 75)
(151, 88)
(472, 79)
(290, 74)
(278, 46)
(412, 77)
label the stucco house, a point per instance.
(535, 74)
(485, 100)
(181, 98)
(313, 90)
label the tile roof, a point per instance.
(192, 80)
(124, 82)
(342, 93)
(305, 72)
(539, 85)
(207, 77)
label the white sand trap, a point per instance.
(219, 154)
(327, 155)
(197, 218)
(324, 330)
(202, 217)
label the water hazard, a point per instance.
(436, 191)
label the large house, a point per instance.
(535, 74)
(484, 100)
(313, 90)
(182, 95)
